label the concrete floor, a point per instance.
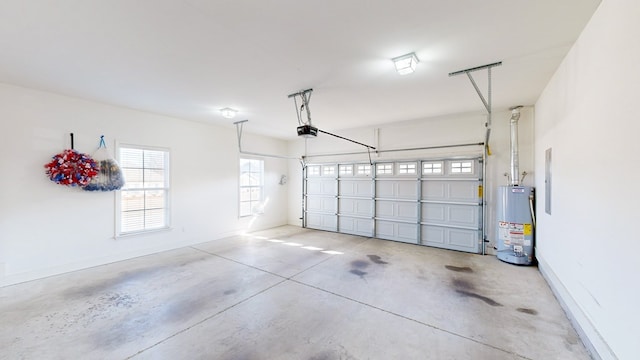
(290, 293)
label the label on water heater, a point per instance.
(514, 233)
(517, 190)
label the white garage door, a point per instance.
(428, 202)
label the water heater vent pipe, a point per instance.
(515, 158)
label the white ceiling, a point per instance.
(189, 58)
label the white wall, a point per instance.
(589, 246)
(47, 228)
(445, 130)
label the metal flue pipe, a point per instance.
(515, 157)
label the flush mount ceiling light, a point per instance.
(229, 113)
(406, 64)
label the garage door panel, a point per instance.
(391, 189)
(314, 187)
(451, 214)
(408, 233)
(319, 186)
(384, 209)
(321, 204)
(322, 221)
(463, 215)
(451, 238)
(463, 238)
(452, 190)
(357, 188)
(433, 235)
(329, 187)
(385, 189)
(397, 231)
(359, 207)
(355, 226)
(463, 190)
(407, 190)
(434, 213)
(406, 211)
(434, 190)
(314, 204)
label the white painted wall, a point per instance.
(588, 114)
(47, 229)
(445, 130)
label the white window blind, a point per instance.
(251, 186)
(144, 199)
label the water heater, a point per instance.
(515, 225)
(514, 214)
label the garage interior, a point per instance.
(234, 237)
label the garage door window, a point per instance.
(462, 167)
(384, 169)
(328, 170)
(313, 170)
(431, 168)
(363, 169)
(346, 170)
(406, 168)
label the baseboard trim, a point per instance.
(593, 341)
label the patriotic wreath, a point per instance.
(72, 168)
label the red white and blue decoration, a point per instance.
(72, 168)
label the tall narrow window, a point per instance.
(144, 200)
(251, 186)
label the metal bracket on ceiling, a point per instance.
(305, 97)
(239, 127)
(487, 149)
(487, 101)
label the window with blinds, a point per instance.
(144, 199)
(251, 186)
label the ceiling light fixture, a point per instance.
(229, 113)
(406, 64)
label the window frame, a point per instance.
(385, 169)
(407, 168)
(461, 169)
(342, 170)
(259, 202)
(363, 170)
(166, 188)
(328, 170)
(431, 170)
(313, 170)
